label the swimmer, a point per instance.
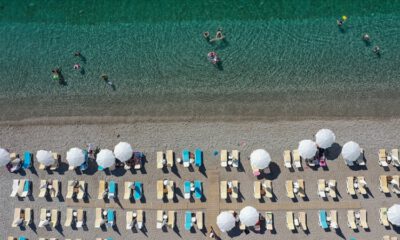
(77, 66)
(376, 50)
(77, 54)
(219, 35)
(206, 35)
(339, 22)
(366, 37)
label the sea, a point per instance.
(280, 60)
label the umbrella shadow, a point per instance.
(274, 172)
(333, 151)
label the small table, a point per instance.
(104, 213)
(193, 219)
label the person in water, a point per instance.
(77, 66)
(340, 22)
(366, 37)
(58, 76)
(377, 50)
(206, 35)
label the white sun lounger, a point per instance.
(80, 218)
(160, 189)
(14, 188)
(99, 218)
(129, 220)
(139, 218)
(43, 188)
(333, 215)
(68, 219)
(351, 220)
(395, 157)
(235, 158)
(70, 189)
(363, 219)
(350, 186)
(199, 220)
(268, 188)
(332, 188)
(257, 189)
(170, 158)
(102, 188)
(171, 190)
(361, 185)
(160, 214)
(82, 190)
(28, 216)
(303, 220)
(290, 221)
(43, 217)
(235, 189)
(56, 189)
(54, 218)
(382, 158)
(296, 159)
(383, 218)
(21, 187)
(224, 189)
(287, 159)
(128, 190)
(289, 189)
(302, 188)
(160, 159)
(269, 221)
(171, 219)
(383, 184)
(17, 218)
(224, 158)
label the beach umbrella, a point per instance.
(75, 157)
(394, 214)
(105, 158)
(45, 157)
(260, 159)
(351, 151)
(4, 157)
(249, 216)
(325, 138)
(226, 221)
(123, 151)
(307, 149)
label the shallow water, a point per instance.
(282, 59)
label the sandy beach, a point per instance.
(151, 137)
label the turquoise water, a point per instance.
(282, 59)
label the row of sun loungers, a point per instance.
(230, 159)
(300, 221)
(229, 187)
(263, 189)
(21, 188)
(291, 159)
(387, 237)
(386, 159)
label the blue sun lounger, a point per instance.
(198, 192)
(198, 157)
(137, 194)
(186, 189)
(111, 189)
(27, 186)
(100, 168)
(27, 160)
(322, 219)
(22, 238)
(188, 220)
(185, 158)
(110, 217)
(85, 164)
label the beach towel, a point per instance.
(198, 157)
(198, 193)
(138, 191)
(27, 160)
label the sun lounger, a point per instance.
(198, 190)
(160, 159)
(322, 219)
(287, 158)
(383, 218)
(170, 158)
(235, 189)
(199, 220)
(137, 194)
(361, 185)
(82, 190)
(257, 189)
(386, 237)
(332, 188)
(290, 221)
(186, 158)
(350, 186)
(351, 220)
(160, 189)
(17, 217)
(171, 219)
(333, 216)
(393, 238)
(54, 217)
(188, 220)
(99, 218)
(224, 158)
(383, 184)
(56, 189)
(27, 188)
(395, 184)
(198, 157)
(187, 190)
(160, 221)
(43, 217)
(14, 190)
(268, 188)
(171, 190)
(27, 216)
(289, 189)
(139, 218)
(21, 186)
(27, 163)
(363, 219)
(68, 218)
(269, 221)
(43, 188)
(128, 190)
(56, 163)
(302, 188)
(80, 218)
(129, 220)
(395, 157)
(303, 220)
(224, 189)
(235, 158)
(70, 189)
(102, 188)
(110, 217)
(112, 188)
(382, 158)
(296, 159)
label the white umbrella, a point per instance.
(249, 216)
(351, 151)
(123, 151)
(105, 158)
(226, 221)
(75, 157)
(4, 157)
(45, 157)
(260, 159)
(394, 214)
(325, 138)
(307, 149)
